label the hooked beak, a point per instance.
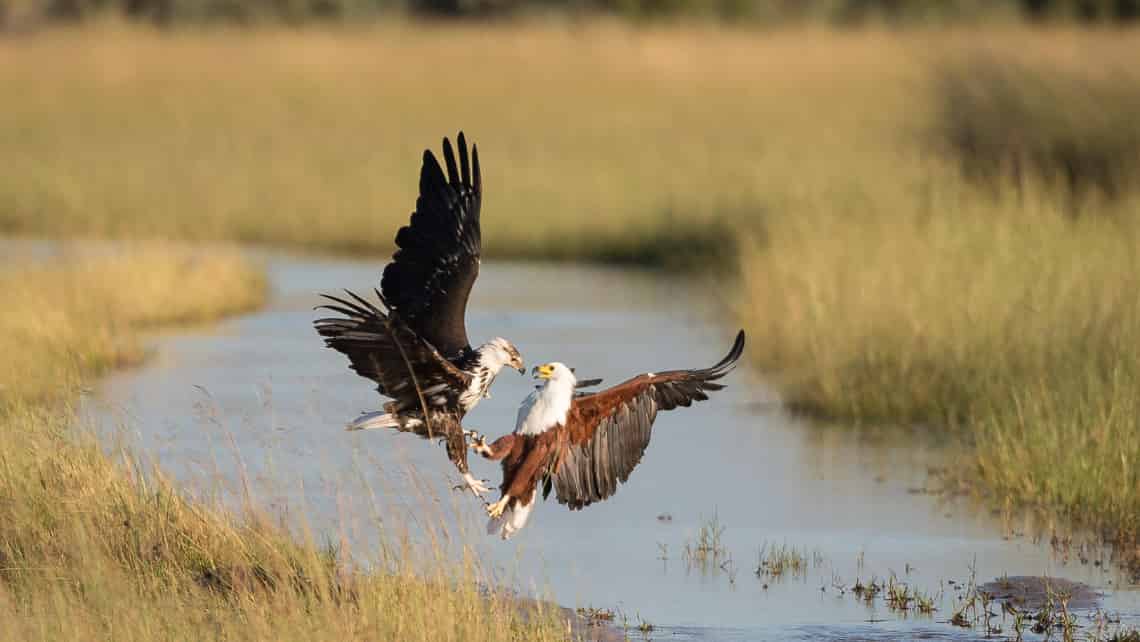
(542, 372)
(522, 370)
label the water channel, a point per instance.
(255, 407)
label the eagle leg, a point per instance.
(479, 443)
(496, 509)
(477, 486)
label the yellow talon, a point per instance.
(496, 509)
(478, 443)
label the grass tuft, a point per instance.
(782, 560)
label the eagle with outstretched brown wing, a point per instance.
(413, 341)
(582, 446)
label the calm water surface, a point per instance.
(258, 406)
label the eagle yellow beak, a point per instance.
(543, 372)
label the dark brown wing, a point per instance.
(607, 432)
(431, 274)
(386, 351)
(587, 383)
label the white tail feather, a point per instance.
(374, 421)
(512, 520)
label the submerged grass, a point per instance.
(96, 549)
(780, 560)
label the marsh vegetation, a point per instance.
(311, 139)
(1004, 315)
(934, 230)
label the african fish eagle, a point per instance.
(584, 445)
(414, 344)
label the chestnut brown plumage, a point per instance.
(604, 435)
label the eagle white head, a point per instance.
(499, 352)
(547, 406)
(555, 373)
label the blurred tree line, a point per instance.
(839, 12)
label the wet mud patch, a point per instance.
(1035, 592)
(585, 624)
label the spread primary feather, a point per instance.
(583, 446)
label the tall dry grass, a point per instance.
(94, 546)
(66, 321)
(1009, 121)
(1017, 330)
(594, 139)
(992, 314)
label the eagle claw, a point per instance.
(478, 442)
(496, 509)
(476, 486)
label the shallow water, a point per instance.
(258, 406)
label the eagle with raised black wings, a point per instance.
(413, 341)
(582, 446)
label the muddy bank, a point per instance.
(1028, 592)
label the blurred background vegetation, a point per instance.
(17, 13)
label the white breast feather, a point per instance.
(545, 408)
(476, 390)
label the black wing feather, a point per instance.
(431, 274)
(381, 348)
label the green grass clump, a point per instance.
(783, 560)
(95, 548)
(706, 550)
